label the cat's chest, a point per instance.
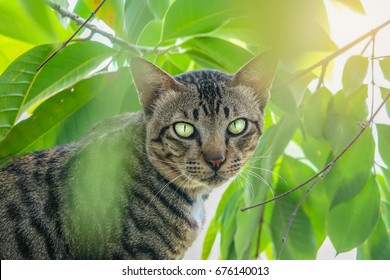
(197, 212)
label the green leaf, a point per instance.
(349, 175)
(34, 8)
(377, 246)
(273, 143)
(209, 239)
(354, 5)
(300, 242)
(239, 29)
(316, 151)
(226, 55)
(15, 83)
(385, 191)
(224, 219)
(384, 93)
(10, 49)
(122, 97)
(228, 227)
(150, 35)
(30, 21)
(247, 226)
(158, 8)
(21, 86)
(385, 65)
(111, 13)
(54, 111)
(284, 99)
(232, 190)
(82, 9)
(343, 116)
(351, 222)
(72, 64)
(137, 16)
(176, 63)
(384, 142)
(314, 113)
(292, 173)
(355, 70)
(204, 16)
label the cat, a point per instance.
(134, 187)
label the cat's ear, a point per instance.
(150, 81)
(258, 74)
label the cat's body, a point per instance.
(36, 200)
(134, 187)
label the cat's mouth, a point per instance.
(215, 179)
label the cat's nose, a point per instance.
(215, 162)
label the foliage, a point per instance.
(88, 81)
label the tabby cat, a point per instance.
(134, 187)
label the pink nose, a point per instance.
(215, 163)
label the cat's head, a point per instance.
(202, 126)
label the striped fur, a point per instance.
(131, 188)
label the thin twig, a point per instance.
(334, 54)
(294, 213)
(327, 168)
(366, 46)
(261, 221)
(73, 35)
(372, 75)
(322, 76)
(383, 56)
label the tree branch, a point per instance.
(85, 23)
(321, 174)
(139, 50)
(335, 54)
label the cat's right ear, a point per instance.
(150, 81)
(258, 74)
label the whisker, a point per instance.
(248, 183)
(260, 178)
(269, 171)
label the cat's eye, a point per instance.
(183, 129)
(237, 126)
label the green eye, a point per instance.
(183, 129)
(237, 126)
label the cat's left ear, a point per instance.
(151, 82)
(258, 74)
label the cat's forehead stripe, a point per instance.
(208, 86)
(226, 111)
(195, 113)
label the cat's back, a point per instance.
(34, 189)
(31, 188)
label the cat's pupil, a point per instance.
(183, 129)
(237, 126)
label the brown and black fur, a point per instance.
(132, 188)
